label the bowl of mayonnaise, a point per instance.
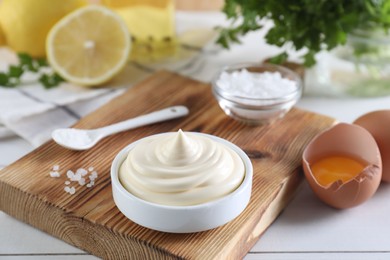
(181, 182)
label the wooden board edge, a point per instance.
(287, 191)
(75, 231)
(255, 229)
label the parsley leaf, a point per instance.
(12, 78)
(50, 80)
(303, 24)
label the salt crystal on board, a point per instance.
(82, 181)
(76, 177)
(72, 190)
(82, 171)
(54, 174)
(70, 174)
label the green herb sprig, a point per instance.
(12, 78)
(305, 24)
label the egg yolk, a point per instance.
(333, 168)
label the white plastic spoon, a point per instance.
(79, 139)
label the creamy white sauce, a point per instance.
(180, 169)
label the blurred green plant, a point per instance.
(12, 77)
(305, 24)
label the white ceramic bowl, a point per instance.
(182, 219)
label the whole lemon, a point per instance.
(26, 23)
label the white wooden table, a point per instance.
(306, 229)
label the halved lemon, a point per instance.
(89, 46)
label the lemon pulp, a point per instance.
(89, 46)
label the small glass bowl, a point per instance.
(257, 111)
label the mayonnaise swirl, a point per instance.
(180, 169)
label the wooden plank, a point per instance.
(90, 220)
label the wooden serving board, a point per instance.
(90, 220)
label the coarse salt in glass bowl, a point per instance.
(256, 93)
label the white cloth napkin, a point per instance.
(32, 112)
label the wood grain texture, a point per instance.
(90, 220)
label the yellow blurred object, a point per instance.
(146, 19)
(2, 37)
(26, 23)
(89, 46)
(199, 5)
(151, 24)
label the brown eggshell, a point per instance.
(378, 124)
(345, 139)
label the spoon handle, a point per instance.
(154, 117)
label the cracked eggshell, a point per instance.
(378, 124)
(349, 140)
